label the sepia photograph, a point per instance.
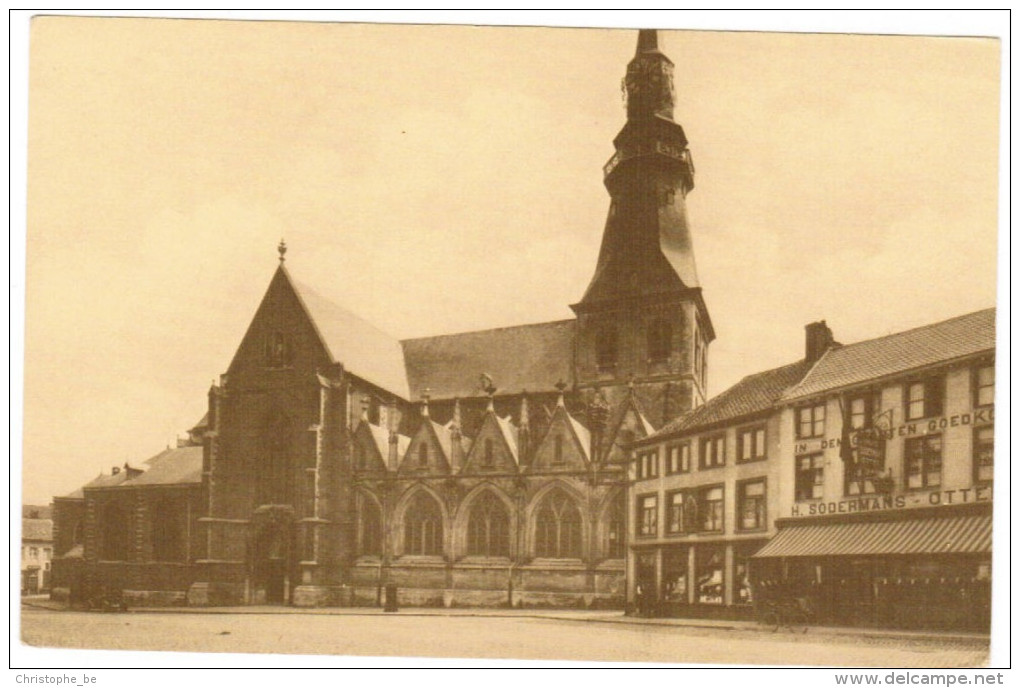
(451, 343)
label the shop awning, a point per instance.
(959, 534)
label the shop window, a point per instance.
(984, 386)
(489, 527)
(168, 530)
(713, 451)
(660, 341)
(710, 509)
(810, 476)
(923, 460)
(678, 458)
(811, 421)
(674, 574)
(751, 505)
(648, 464)
(423, 526)
(648, 515)
(984, 454)
(677, 517)
(741, 572)
(616, 539)
(923, 398)
(751, 444)
(710, 573)
(605, 348)
(369, 529)
(558, 527)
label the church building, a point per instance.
(337, 463)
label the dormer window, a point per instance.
(605, 348)
(278, 350)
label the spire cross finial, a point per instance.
(282, 250)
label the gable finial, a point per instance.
(425, 402)
(281, 248)
(560, 386)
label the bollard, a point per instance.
(391, 598)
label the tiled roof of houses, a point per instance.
(527, 357)
(37, 529)
(873, 359)
(753, 394)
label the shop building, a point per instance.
(885, 506)
(36, 549)
(859, 478)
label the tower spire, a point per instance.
(647, 41)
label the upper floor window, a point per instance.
(278, 352)
(751, 444)
(605, 348)
(678, 458)
(710, 509)
(984, 454)
(677, 512)
(660, 340)
(648, 464)
(648, 515)
(713, 451)
(809, 478)
(811, 421)
(984, 386)
(751, 504)
(861, 412)
(923, 399)
(923, 460)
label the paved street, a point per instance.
(595, 636)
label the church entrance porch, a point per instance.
(271, 566)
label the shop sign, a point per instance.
(922, 427)
(909, 500)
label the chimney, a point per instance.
(817, 339)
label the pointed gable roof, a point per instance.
(363, 349)
(380, 438)
(503, 428)
(580, 435)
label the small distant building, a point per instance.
(36, 549)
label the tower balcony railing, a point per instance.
(670, 150)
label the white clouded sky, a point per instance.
(442, 179)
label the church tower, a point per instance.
(642, 323)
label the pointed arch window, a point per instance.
(115, 528)
(558, 527)
(278, 352)
(369, 528)
(660, 340)
(423, 455)
(489, 528)
(423, 526)
(274, 478)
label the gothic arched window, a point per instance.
(489, 527)
(369, 528)
(423, 454)
(605, 348)
(558, 527)
(274, 473)
(423, 526)
(660, 340)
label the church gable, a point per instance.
(281, 336)
(426, 452)
(565, 445)
(371, 448)
(494, 449)
(630, 425)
